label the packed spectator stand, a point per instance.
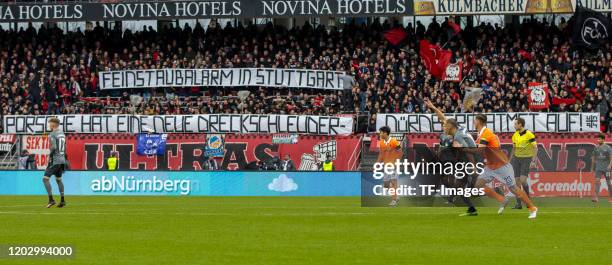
(49, 71)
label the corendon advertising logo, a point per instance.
(565, 184)
(128, 184)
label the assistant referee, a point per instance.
(524, 152)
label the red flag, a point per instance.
(434, 58)
(538, 96)
(396, 36)
(525, 54)
(566, 101)
(456, 28)
(577, 93)
(453, 72)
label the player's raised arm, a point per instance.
(438, 112)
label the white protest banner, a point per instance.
(204, 123)
(561, 122)
(224, 77)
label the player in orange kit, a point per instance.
(497, 167)
(390, 151)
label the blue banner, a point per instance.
(151, 144)
(197, 183)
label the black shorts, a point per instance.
(54, 170)
(521, 166)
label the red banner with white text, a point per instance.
(186, 151)
(538, 96)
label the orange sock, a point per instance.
(491, 193)
(523, 196)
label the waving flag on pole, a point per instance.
(591, 29)
(525, 54)
(452, 30)
(396, 36)
(434, 58)
(456, 29)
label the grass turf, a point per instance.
(299, 230)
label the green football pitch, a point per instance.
(300, 230)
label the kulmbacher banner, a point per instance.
(204, 123)
(224, 77)
(597, 5)
(153, 10)
(482, 7)
(561, 122)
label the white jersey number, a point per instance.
(61, 145)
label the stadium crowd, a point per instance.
(48, 71)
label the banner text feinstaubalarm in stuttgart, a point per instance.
(224, 77)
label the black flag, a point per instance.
(591, 29)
